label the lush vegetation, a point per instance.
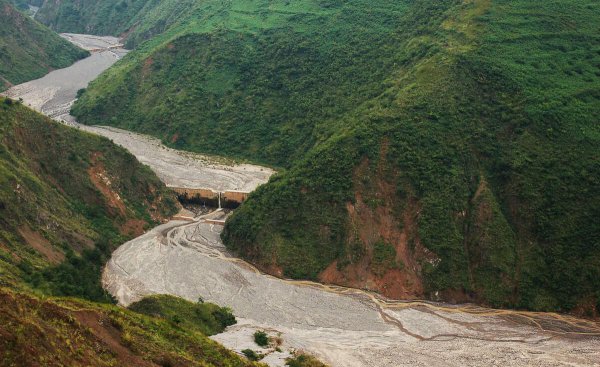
(384, 258)
(72, 332)
(252, 355)
(59, 220)
(304, 360)
(23, 5)
(77, 275)
(479, 115)
(206, 318)
(28, 50)
(246, 78)
(261, 338)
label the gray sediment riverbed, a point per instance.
(344, 327)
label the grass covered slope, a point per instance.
(206, 318)
(472, 177)
(441, 149)
(67, 199)
(29, 50)
(71, 332)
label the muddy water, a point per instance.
(344, 327)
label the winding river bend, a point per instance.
(342, 326)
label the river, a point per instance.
(341, 326)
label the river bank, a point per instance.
(55, 93)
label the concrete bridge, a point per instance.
(225, 199)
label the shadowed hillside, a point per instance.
(67, 198)
(137, 20)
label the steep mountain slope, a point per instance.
(478, 165)
(441, 149)
(250, 78)
(67, 198)
(29, 50)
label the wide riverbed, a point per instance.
(343, 327)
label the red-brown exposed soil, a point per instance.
(133, 227)
(104, 331)
(273, 269)
(372, 223)
(101, 181)
(41, 245)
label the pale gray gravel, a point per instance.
(55, 93)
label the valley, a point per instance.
(444, 150)
(342, 326)
(54, 93)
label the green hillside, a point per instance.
(206, 318)
(67, 199)
(268, 71)
(24, 4)
(440, 149)
(29, 50)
